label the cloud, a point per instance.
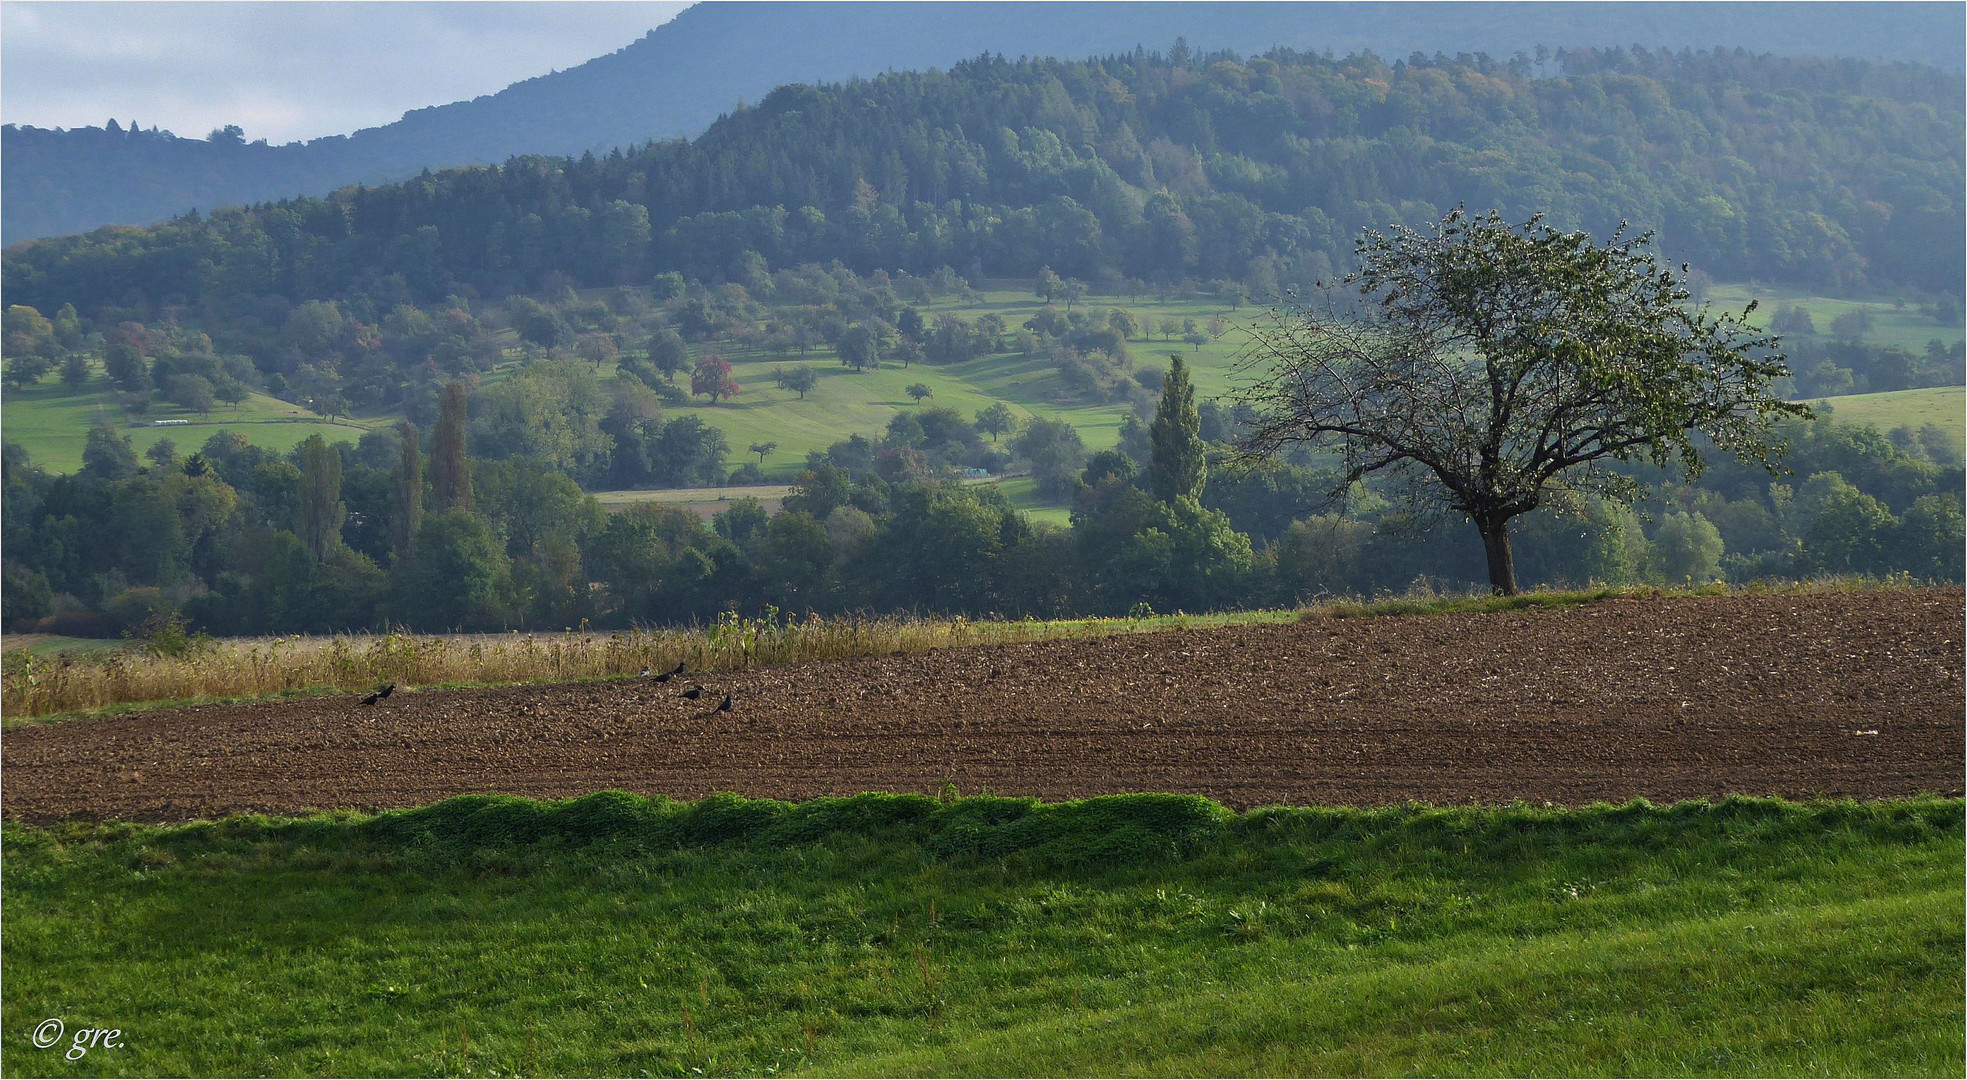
(286, 71)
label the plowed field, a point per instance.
(1799, 696)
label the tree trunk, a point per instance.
(1502, 561)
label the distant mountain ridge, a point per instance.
(677, 79)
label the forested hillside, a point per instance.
(831, 270)
(1834, 175)
(681, 76)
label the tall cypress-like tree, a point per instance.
(450, 475)
(321, 510)
(408, 512)
(1176, 465)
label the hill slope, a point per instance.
(1833, 175)
(681, 76)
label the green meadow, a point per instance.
(911, 935)
(1942, 405)
(1891, 324)
(53, 424)
(846, 402)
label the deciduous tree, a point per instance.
(450, 472)
(1176, 466)
(712, 378)
(1483, 362)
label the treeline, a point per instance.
(1831, 175)
(407, 529)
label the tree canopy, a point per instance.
(1485, 365)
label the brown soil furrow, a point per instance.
(1677, 699)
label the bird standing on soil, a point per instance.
(725, 705)
(693, 693)
(380, 694)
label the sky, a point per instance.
(287, 71)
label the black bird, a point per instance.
(678, 669)
(379, 695)
(693, 693)
(666, 676)
(726, 705)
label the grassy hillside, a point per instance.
(53, 423)
(903, 935)
(1942, 405)
(1891, 324)
(845, 402)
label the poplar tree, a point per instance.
(450, 475)
(408, 513)
(321, 508)
(1176, 465)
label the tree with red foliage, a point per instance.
(712, 377)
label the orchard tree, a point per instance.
(918, 391)
(763, 450)
(800, 380)
(668, 353)
(996, 420)
(1484, 364)
(712, 378)
(858, 348)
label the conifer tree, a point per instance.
(450, 476)
(1176, 465)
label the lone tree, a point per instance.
(1485, 365)
(712, 377)
(996, 419)
(918, 391)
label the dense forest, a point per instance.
(683, 75)
(1835, 175)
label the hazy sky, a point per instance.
(286, 71)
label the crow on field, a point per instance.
(693, 693)
(380, 694)
(666, 676)
(725, 706)
(678, 669)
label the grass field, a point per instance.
(845, 402)
(52, 423)
(1891, 325)
(1942, 405)
(906, 935)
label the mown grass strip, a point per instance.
(892, 935)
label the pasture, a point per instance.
(907, 935)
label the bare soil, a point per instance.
(1801, 696)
